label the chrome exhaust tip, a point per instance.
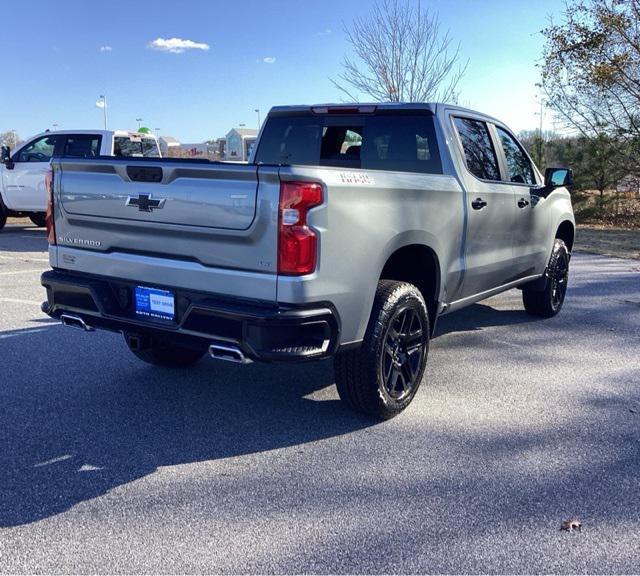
(229, 353)
(75, 322)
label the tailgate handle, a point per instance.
(145, 173)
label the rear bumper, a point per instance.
(264, 331)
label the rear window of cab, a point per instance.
(404, 143)
(135, 146)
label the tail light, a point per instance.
(49, 219)
(297, 243)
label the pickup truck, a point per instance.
(352, 228)
(22, 174)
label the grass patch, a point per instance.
(622, 243)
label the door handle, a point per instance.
(522, 203)
(478, 204)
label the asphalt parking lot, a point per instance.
(110, 465)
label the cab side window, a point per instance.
(518, 165)
(82, 146)
(40, 150)
(481, 158)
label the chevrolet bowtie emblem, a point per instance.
(144, 202)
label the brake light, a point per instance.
(297, 243)
(49, 219)
(341, 109)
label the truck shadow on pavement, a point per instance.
(90, 418)
(87, 417)
(18, 239)
(479, 316)
(80, 416)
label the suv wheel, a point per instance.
(161, 353)
(39, 219)
(3, 215)
(382, 376)
(548, 302)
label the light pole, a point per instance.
(257, 111)
(102, 103)
(139, 121)
(157, 131)
(55, 126)
(540, 143)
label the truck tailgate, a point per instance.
(135, 218)
(222, 197)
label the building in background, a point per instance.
(201, 149)
(239, 143)
(219, 148)
(168, 144)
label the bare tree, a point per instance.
(400, 55)
(9, 138)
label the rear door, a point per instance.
(24, 184)
(490, 209)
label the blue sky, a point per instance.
(58, 57)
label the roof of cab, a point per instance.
(432, 107)
(378, 105)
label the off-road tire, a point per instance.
(167, 355)
(548, 302)
(365, 375)
(39, 219)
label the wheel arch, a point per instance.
(419, 265)
(566, 232)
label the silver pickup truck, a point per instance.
(351, 229)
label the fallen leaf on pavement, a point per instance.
(571, 525)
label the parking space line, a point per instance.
(53, 460)
(23, 333)
(23, 258)
(21, 271)
(8, 234)
(19, 301)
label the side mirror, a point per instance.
(557, 178)
(5, 157)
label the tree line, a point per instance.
(589, 75)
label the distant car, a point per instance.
(22, 173)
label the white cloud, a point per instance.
(176, 45)
(269, 59)
(325, 32)
(106, 48)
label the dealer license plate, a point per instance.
(155, 303)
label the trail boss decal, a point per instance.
(356, 178)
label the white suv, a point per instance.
(22, 173)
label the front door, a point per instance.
(24, 188)
(530, 236)
(490, 211)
